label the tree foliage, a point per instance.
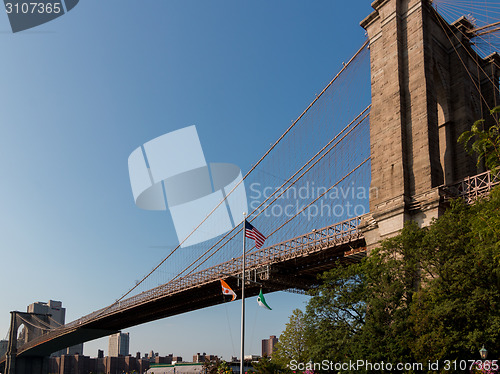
(427, 294)
(267, 366)
(217, 366)
(336, 313)
(486, 144)
(292, 343)
(457, 311)
(362, 311)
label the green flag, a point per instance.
(262, 301)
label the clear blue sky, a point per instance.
(80, 93)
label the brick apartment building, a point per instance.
(269, 345)
(79, 364)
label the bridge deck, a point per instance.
(292, 263)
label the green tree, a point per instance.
(267, 366)
(341, 324)
(456, 310)
(292, 343)
(486, 144)
(426, 294)
(217, 366)
(336, 313)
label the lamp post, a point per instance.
(483, 352)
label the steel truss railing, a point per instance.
(337, 234)
(472, 188)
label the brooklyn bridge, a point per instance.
(430, 81)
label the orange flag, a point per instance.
(226, 290)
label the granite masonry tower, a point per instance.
(427, 83)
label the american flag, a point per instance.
(252, 233)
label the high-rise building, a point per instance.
(118, 344)
(54, 308)
(56, 318)
(3, 347)
(269, 345)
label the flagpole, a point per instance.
(242, 350)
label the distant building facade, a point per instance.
(78, 364)
(54, 308)
(57, 318)
(3, 347)
(203, 358)
(269, 346)
(118, 344)
(162, 359)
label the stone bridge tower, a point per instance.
(34, 324)
(427, 84)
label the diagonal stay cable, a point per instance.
(238, 229)
(186, 277)
(469, 52)
(281, 189)
(33, 325)
(345, 66)
(299, 212)
(462, 61)
(42, 322)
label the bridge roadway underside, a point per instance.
(298, 272)
(294, 273)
